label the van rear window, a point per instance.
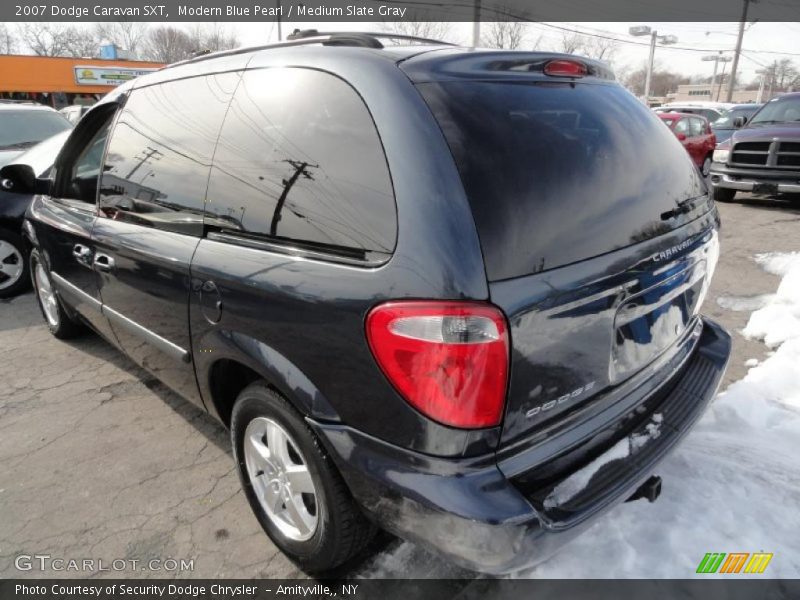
(557, 172)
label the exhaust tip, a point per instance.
(650, 489)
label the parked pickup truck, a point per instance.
(763, 155)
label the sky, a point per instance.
(762, 41)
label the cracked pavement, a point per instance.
(100, 460)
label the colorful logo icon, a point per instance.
(735, 562)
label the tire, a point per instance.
(705, 169)
(723, 194)
(15, 275)
(60, 323)
(340, 530)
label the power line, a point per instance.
(637, 43)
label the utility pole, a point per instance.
(280, 34)
(151, 153)
(732, 81)
(772, 73)
(717, 58)
(300, 168)
(476, 24)
(761, 88)
(721, 80)
(649, 77)
(640, 30)
(714, 75)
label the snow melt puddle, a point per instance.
(732, 485)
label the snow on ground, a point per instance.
(732, 485)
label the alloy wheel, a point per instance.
(280, 478)
(47, 296)
(11, 264)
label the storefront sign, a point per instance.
(106, 75)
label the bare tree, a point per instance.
(571, 42)
(212, 38)
(53, 39)
(434, 30)
(786, 74)
(661, 84)
(598, 48)
(507, 35)
(168, 44)
(8, 40)
(81, 43)
(129, 35)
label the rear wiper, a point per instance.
(683, 207)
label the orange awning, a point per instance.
(57, 74)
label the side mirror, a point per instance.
(739, 122)
(43, 186)
(681, 136)
(18, 178)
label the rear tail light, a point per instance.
(449, 360)
(565, 68)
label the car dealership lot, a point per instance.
(101, 462)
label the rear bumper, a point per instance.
(748, 180)
(480, 518)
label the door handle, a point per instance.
(81, 252)
(103, 262)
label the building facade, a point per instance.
(718, 93)
(59, 81)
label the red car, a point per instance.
(695, 134)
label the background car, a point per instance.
(763, 156)
(695, 134)
(15, 196)
(712, 113)
(25, 124)
(724, 127)
(75, 112)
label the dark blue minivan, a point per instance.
(446, 292)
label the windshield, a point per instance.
(42, 156)
(558, 172)
(780, 110)
(21, 129)
(726, 121)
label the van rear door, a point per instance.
(596, 228)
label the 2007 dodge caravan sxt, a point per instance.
(446, 292)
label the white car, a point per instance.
(25, 124)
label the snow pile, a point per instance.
(779, 320)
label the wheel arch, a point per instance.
(227, 362)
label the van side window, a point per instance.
(299, 162)
(160, 152)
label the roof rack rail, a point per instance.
(359, 38)
(312, 36)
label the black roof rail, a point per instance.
(312, 36)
